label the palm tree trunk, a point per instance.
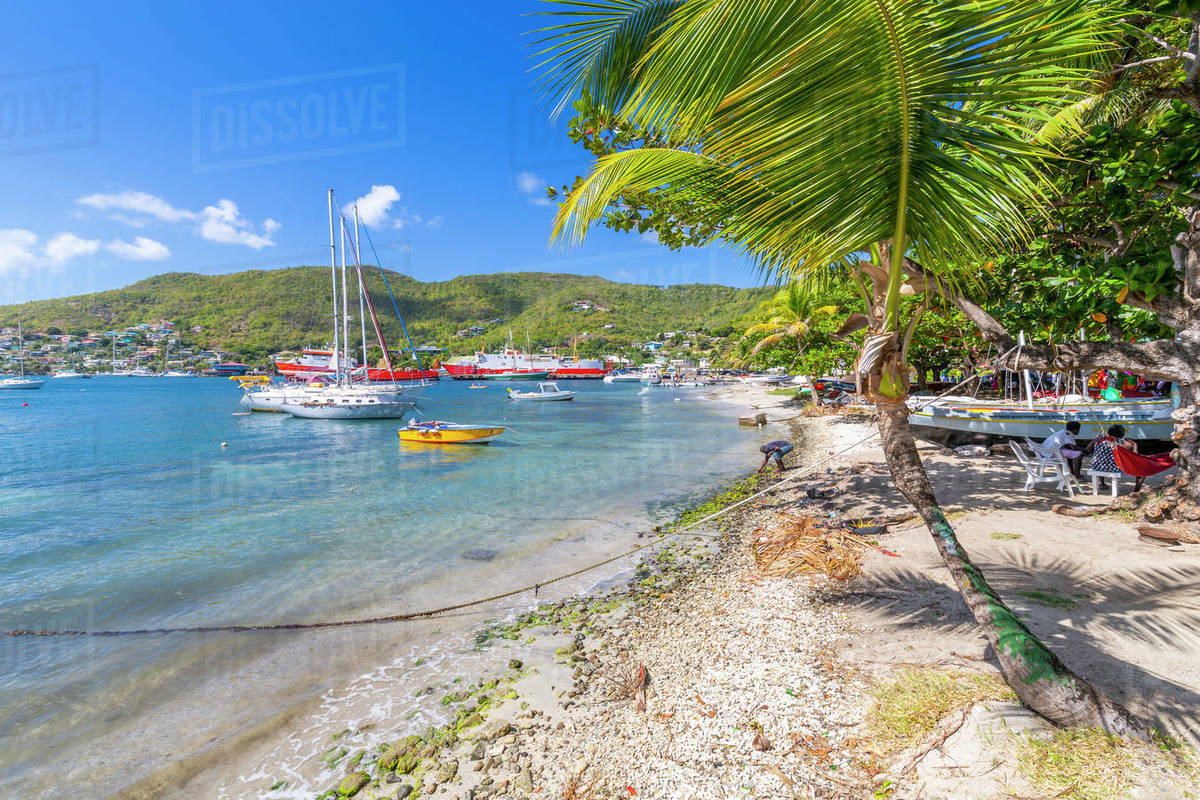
(1039, 678)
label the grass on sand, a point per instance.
(908, 708)
(1091, 764)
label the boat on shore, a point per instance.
(547, 391)
(438, 432)
(956, 423)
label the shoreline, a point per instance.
(442, 647)
(758, 685)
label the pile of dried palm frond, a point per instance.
(799, 544)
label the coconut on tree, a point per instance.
(886, 139)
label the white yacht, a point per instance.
(21, 381)
(347, 405)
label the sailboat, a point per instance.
(70, 372)
(174, 373)
(344, 400)
(21, 382)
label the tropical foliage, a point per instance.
(789, 317)
(809, 133)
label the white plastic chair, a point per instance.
(1045, 471)
(1096, 476)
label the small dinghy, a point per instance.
(546, 391)
(438, 432)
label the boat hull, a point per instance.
(450, 434)
(18, 383)
(384, 375)
(514, 376)
(952, 425)
(332, 410)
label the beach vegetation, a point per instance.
(1091, 764)
(1049, 598)
(718, 121)
(908, 708)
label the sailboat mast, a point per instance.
(345, 306)
(362, 314)
(21, 348)
(337, 364)
(1025, 375)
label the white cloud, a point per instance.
(20, 251)
(529, 183)
(435, 222)
(137, 203)
(65, 246)
(534, 188)
(140, 249)
(373, 207)
(220, 222)
(650, 237)
(16, 250)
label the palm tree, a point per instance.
(828, 129)
(790, 316)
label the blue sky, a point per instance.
(140, 138)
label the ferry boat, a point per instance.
(226, 369)
(313, 362)
(510, 362)
(381, 375)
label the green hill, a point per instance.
(259, 312)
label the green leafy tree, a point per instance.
(809, 134)
(790, 314)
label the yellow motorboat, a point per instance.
(436, 432)
(250, 381)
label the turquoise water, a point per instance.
(119, 508)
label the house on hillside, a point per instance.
(652, 347)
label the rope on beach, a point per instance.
(433, 612)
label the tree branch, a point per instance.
(1175, 187)
(1099, 241)
(1146, 61)
(1168, 359)
(1164, 44)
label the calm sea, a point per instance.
(119, 509)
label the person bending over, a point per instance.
(776, 450)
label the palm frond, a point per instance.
(823, 127)
(767, 341)
(598, 50)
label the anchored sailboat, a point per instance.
(21, 382)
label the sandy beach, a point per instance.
(695, 672)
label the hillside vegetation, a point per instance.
(259, 312)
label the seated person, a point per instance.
(1064, 442)
(1103, 459)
